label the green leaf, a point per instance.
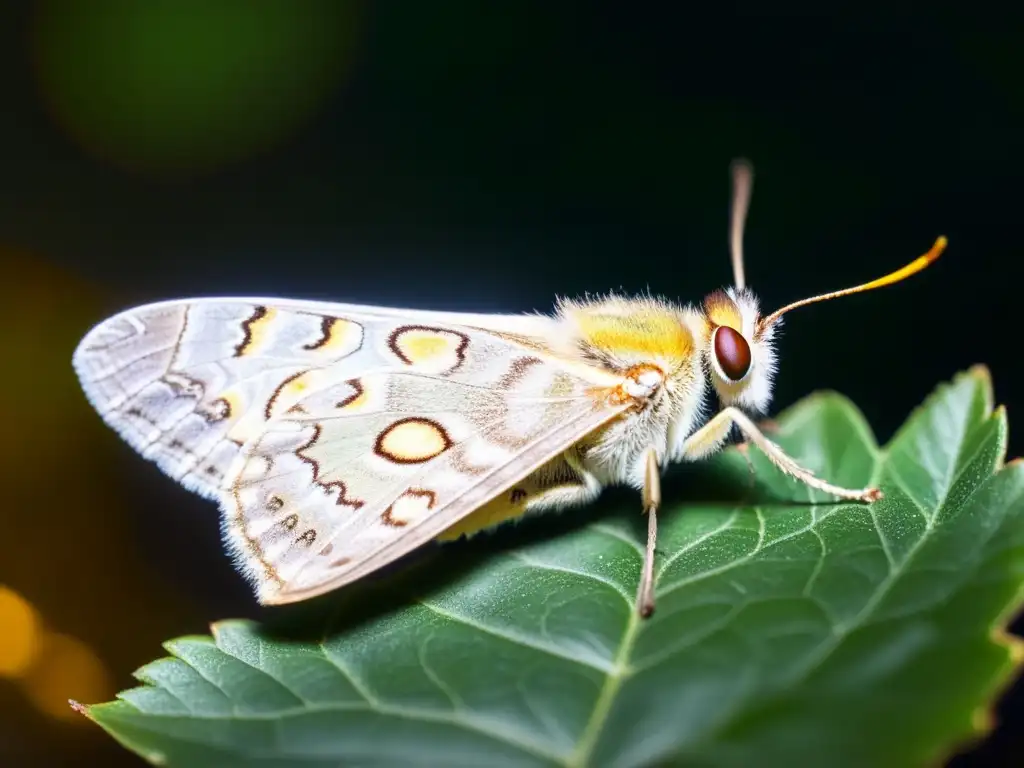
(789, 630)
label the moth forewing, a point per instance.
(343, 441)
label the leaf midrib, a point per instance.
(606, 698)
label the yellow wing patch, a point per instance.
(433, 349)
(356, 401)
(254, 330)
(291, 390)
(338, 337)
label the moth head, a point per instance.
(739, 342)
(740, 361)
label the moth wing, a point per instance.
(187, 382)
(358, 474)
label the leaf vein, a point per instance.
(747, 557)
(517, 639)
(527, 560)
(617, 534)
(697, 542)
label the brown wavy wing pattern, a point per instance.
(187, 383)
(363, 471)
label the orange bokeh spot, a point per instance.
(66, 669)
(19, 633)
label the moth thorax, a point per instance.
(624, 333)
(642, 380)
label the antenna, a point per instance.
(893, 277)
(742, 185)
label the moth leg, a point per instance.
(651, 501)
(767, 427)
(710, 437)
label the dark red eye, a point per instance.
(732, 353)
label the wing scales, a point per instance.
(336, 437)
(187, 383)
(298, 536)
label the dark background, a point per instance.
(455, 155)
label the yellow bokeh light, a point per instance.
(19, 633)
(66, 669)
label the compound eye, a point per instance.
(732, 353)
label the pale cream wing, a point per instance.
(356, 474)
(186, 383)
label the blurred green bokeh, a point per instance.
(176, 87)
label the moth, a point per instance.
(339, 437)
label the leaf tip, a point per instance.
(979, 371)
(983, 720)
(217, 629)
(80, 708)
(181, 645)
(1014, 645)
(983, 376)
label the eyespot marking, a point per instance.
(412, 441)
(293, 385)
(413, 503)
(308, 537)
(437, 349)
(356, 399)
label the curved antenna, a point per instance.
(742, 185)
(893, 277)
